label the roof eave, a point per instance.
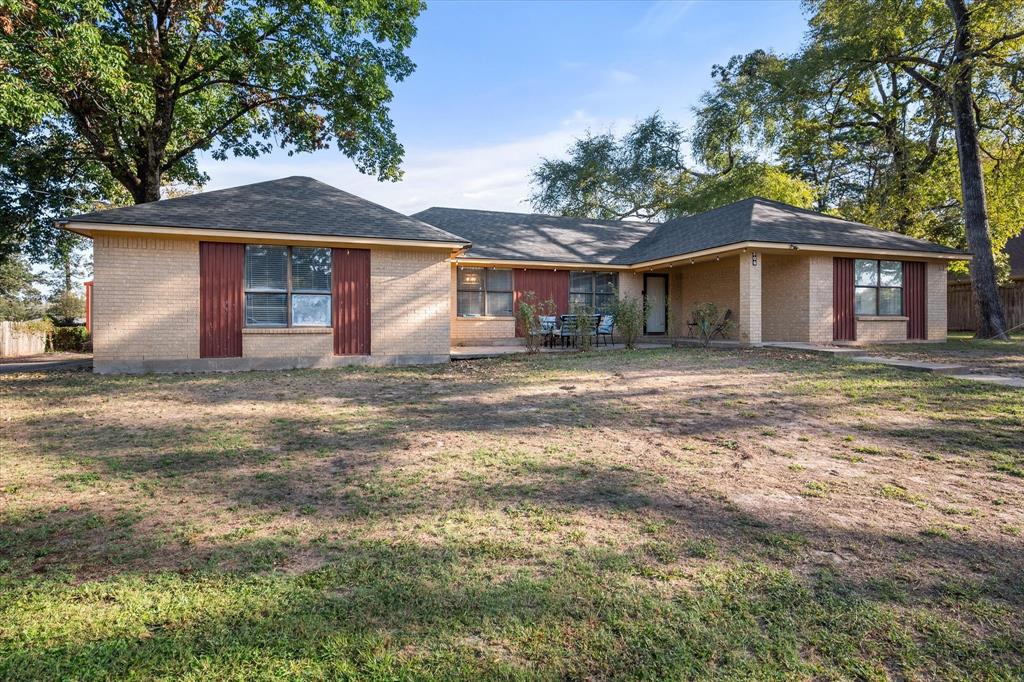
(797, 246)
(89, 229)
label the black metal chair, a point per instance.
(722, 325)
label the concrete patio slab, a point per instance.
(1012, 382)
(913, 365)
(481, 352)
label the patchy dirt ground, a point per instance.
(982, 357)
(678, 513)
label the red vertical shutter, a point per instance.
(221, 299)
(914, 299)
(843, 318)
(545, 284)
(351, 301)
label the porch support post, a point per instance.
(750, 297)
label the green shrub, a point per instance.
(584, 326)
(528, 316)
(629, 313)
(709, 319)
(69, 339)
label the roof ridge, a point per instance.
(538, 215)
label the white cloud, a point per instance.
(494, 177)
(660, 17)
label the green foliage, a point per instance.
(69, 339)
(528, 314)
(710, 321)
(855, 115)
(630, 313)
(642, 175)
(65, 308)
(19, 299)
(584, 326)
(743, 181)
(142, 88)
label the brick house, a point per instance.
(295, 273)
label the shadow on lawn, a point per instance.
(763, 589)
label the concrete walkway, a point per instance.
(47, 362)
(855, 354)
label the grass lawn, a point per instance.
(988, 357)
(660, 514)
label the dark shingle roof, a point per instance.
(536, 237)
(294, 205)
(762, 220)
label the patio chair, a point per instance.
(548, 328)
(605, 328)
(721, 326)
(567, 332)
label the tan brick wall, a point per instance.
(465, 330)
(145, 298)
(716, 282)
(631, 284)
(785, 297)
(410, 302)
(295, 342)
(677, 314)
(819, 305)
(881, 330)
(935, 301)
(749, 327)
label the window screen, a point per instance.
(277, 295)
(484, 291)
(878, 287)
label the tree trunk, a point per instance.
(148, 187)
(991, 321)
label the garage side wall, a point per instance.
(145, 300)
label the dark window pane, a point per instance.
(607, 282)
(311, 269)
(471, 303)
(266, 267)
(499, 280)
(499, 303)
(311, 310)
(580, 299)
(266, 310)
(891, 274)
(867, 272)
(890, 301)
(581, 282)
(471, 279)
(866, 300)
(604, 302)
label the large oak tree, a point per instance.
(144, 85)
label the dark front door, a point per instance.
(656, 297)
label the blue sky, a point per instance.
(499, 85)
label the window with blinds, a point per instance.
(287, 286)
(594, 290)
(484, 291)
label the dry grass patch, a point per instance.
(677, 513)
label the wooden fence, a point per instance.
(16, 341)
(962, 315)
